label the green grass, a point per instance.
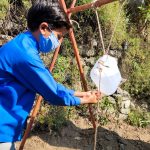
(3, 8)
(139, 118)
(108, 17)
(137, 66)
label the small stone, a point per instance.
(132, 105)
(109, 148)
(122, 141)
(119, 97)
(124, 111)
(126, 104)
(94, 42)
(78, 138)
(108, 137)
(112, 100)
(90, 61)
(119, 90)
(86, 69)
(122, 147)
(122, 116)
(125, 94)
(125, 98)
(144, 105)
(111, 111)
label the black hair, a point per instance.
(47, 11)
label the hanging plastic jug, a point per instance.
(106, 75)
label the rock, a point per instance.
(125, 111)
(144, 106)
(125, 98)
(122, 141)
(123, 81)
(88, 147)
(115, 53)
(123, 92)
(119, 90)
(86, 70)
(122, 147)
(137, 3)
(109, 148)
(132, 105)
(122, 116)
(4, 39)
(85, 51)
(123, 101)
(78, 138)
(94, 43)
(126, 104)
(118, 97)
(90, 61)
(110, 110)
(82, 61)
(109, 137)
(112, 100)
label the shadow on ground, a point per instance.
(72, 137)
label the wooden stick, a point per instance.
(98, 3)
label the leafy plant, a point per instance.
(139, 118)
(145, 12)
(3, 8)
(61, 68)
(51, 117)
(137, 62)
(106, 104)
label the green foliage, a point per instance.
(3, 8)
(66, 48)
(61, 68)
(145, 11)
(106, 108)
(139, 118)
(103, 120)
(109, 17)
(52, 117)
(138, 15)
(27, 4)
(66, 71)
(137, 66)
(106, 104)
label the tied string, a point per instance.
(106, 51)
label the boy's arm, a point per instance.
(31, 72)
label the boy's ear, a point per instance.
(43, 28)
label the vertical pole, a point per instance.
(38, 103)
(76, 51)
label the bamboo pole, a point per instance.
(76, 52)
(98, 3)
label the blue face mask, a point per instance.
(48, 44)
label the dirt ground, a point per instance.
(79, 135)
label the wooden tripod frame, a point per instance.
(68, 12)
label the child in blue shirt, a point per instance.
(23, 74)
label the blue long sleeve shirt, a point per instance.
(22, 75)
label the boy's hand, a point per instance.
(88, 97)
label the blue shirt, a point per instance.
(22, 75)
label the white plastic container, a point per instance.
(106, 75)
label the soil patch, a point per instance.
(79, 135)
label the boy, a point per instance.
(23, 74)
